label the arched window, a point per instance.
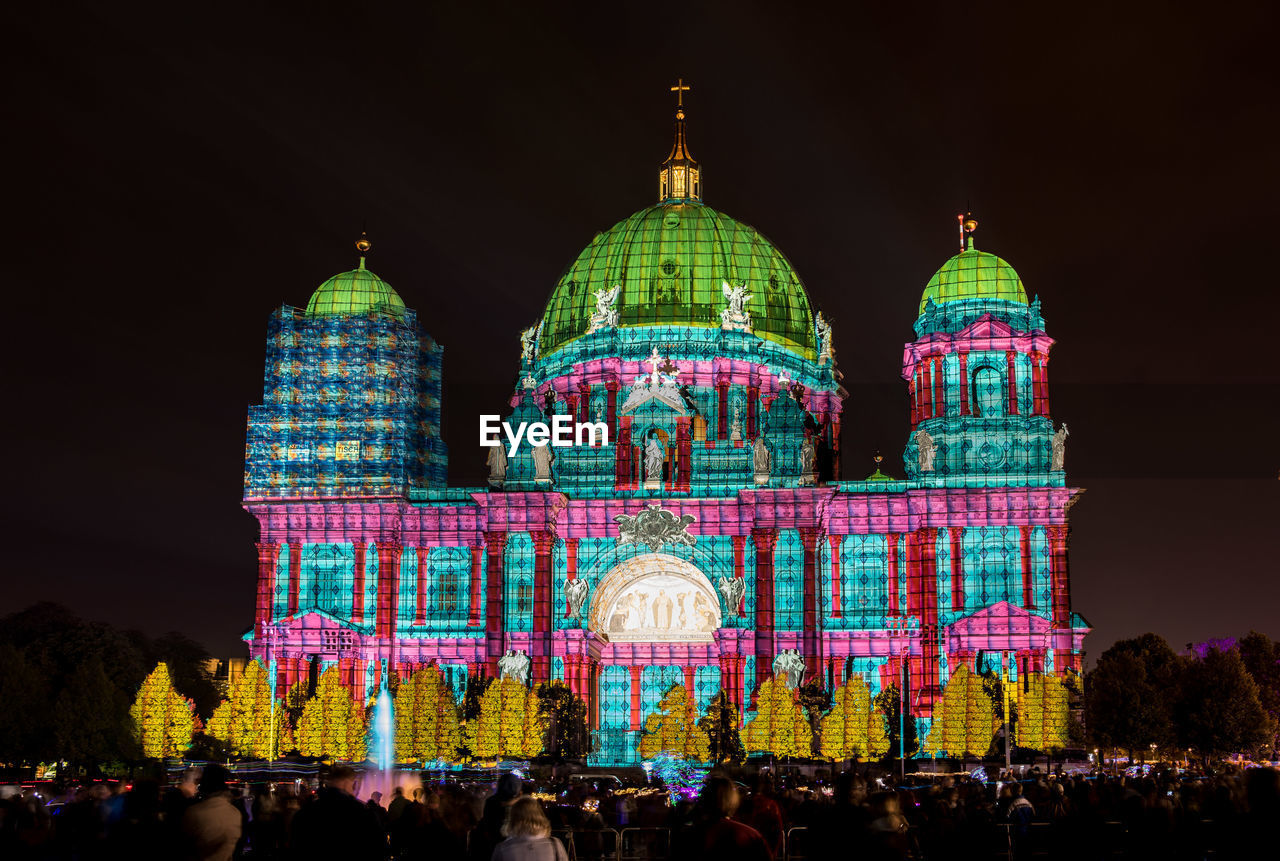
(988, 392)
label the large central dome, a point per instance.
(671, 261)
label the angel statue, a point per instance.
(514, 665)
(575, 592)
(653, 457)
(789, 666)
(497, 463)
(735, 318)
(1060, 447)
(605, 316)
(760, 459)
(733, 589)
(927, 449)
(826, 353)
(529, 344)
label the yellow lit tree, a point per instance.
(427, 727)
(674, 729)
(333, 723)
(1042, 713)
(964, 720)
(852, 729)
(780, 726)
(163, 719)
(243, 720)
(509, 724)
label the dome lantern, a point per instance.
(680, 179)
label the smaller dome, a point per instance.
(974, 274)
(356, 292)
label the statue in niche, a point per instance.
(760, 459)
(1059, 447)
(605, 316)
(514, 665)
(735, 317)
(597, 408)
(734, 589)
(497, 463)
(575, 592)
(926, 450)
(808, 459)
(542, 463)
(654, 454)
(735, 429)
(789, 666)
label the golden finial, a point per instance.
(878, 458)
(967, 224)
(363, 244)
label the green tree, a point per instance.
(24, 695)
(780, 726)
(565, 716)
(91, 720)
(853, 729)
(1217, 709)
(244, 721)
(887, 704)
(674, 729)
(508, 723)
(1261, 656)
(427, 727)
(1129, 695)
(720, 723)
(333, 723)
(164, 720)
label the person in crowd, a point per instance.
(397, 805)
(488, 832)
(528, 835)
(336, 824)
(713, 834)
(213, 826)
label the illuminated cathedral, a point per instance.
(711, 540)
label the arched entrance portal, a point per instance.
(655, 598)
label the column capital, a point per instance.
(765, 539)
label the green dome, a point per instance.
(356, 292)
(974, 274)
(672, 261)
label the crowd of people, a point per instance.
(206, 815)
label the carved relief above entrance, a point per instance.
(655, 598)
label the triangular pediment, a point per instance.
(987, 326)
(1001, 618)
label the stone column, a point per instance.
(474, 619)
(964, 384)
(540, 642)
(571, 564)
(1061, 599)
(359, 550)
(811, 639)
(268, 553)
(423, 555)
(495, 547)
(765, 541)
(837, 608)
(1012, 372)
(957, 568)
(635, 697)
(295, 575)
(1028, 581)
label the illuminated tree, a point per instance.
(1043, 701)
(163, 720)
(720, 723)
(427, 727)
(243, 720)
(674, 729)
(508, 725)
(780, 726)
(964, 720)
(333, 723)
(853, 729)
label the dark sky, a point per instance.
(175, 175)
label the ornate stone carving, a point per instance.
(808, 460)
(514, 665)
(789, 666)
(926, 449)
(1060, 447)
(658, 385)
(734, 589)
(606, 315)
(735, 317)
(529, 344)
(654, 454)
(735, 429)
(542, 463)
(654, 527)
(575, 592)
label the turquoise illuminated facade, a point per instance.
(711, 532)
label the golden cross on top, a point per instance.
(680, 89)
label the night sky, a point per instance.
(174, 176)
